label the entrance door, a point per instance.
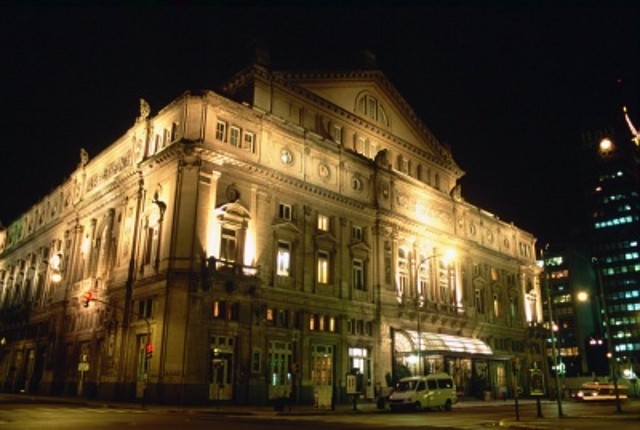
(322, 374)
(280, 359)
(221, 368)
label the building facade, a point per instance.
(573, 317)
(262, 242)
(615, 225)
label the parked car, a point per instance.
(435, 390)
(596, 391)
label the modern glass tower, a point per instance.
(615, 225)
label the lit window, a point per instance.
(284, 259)
(234, 136)
(221, 131)
(323, 267)
(225, 310)
(323, 222)
(249, 142)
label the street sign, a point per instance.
(83, 366)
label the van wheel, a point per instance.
(417, 406)
(447, 405)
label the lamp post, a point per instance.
(554, 347)
(448, 257)
(611, 349)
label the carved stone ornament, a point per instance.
(286, 157)
(145, 110)
(323, 171)
(232, 193)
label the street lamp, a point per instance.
(447, 257)
(554, 347)
(611, 349)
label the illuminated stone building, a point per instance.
(264, 241)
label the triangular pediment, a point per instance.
(286, 226)
(359, 247)
(362, 100)
(369, 97)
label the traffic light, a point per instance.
(86, 300)
(149, 350)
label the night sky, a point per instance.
(511, 90)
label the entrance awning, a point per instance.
(407, 341)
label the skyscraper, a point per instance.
(615, 226)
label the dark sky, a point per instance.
(511, 89)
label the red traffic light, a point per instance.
(88, 296)
(149, 350)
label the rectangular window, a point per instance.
(256, 366)
(221, 131)
(249, 142)
(145, 308)
(323, 222)
(323, 267)
(234, 136)
(358, 275)
(228, 245)
(174, 131)
(337, 133)
(356, 233)
(219, 309)
(225, 311)
(360, 146)
(284, 259)
(283, 318)
(284, 211)
(478, 301)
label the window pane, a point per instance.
(284, 259)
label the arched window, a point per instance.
(234, 220)
(369, 106)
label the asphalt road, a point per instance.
(26, 413)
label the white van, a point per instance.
(435, 390)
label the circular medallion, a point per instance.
(323, 170)
(286, 156)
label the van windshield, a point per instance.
(406, 386)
